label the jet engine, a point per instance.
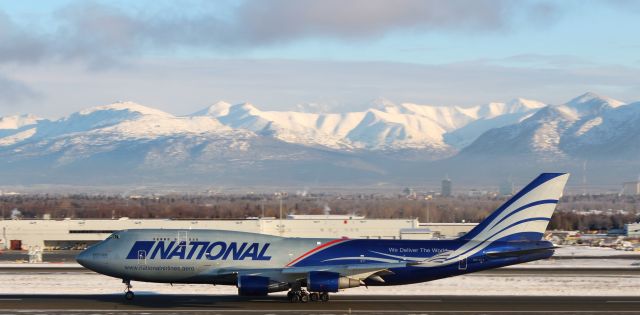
(253, 285)
(326, 281)
(258, 286)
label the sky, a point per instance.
(60, 56)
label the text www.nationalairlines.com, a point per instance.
(159, 268)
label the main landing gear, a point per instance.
(128, 294)
(303, 296)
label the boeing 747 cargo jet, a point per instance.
(311, 268)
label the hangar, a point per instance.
(78, 233)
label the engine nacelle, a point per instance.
(259, 286)
(253, 285)
(326, 281)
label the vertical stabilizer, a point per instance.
(526, 215)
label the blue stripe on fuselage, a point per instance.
(138, 247)
(198, 250)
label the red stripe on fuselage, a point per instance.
(315, 250)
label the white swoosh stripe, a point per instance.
(531, 226)
(363, 258)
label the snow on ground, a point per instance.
(538, 285)
(579, 263)
(592, 251)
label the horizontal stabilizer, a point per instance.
(516, 253)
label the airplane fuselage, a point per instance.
(206, 256)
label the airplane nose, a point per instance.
(84, 258)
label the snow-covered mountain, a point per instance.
(240, 143)
(386, 126)
(492, 115)
(129, 142)
(17, 121)
(16, 126)
(576, 129)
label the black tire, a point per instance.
(314, 296)
(294, 298)
(324, 296)
(129, 295)
(304, 298)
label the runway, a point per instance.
(566, 288)
(339, 304)
(510, 271)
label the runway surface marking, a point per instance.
(206, 304)
(309, 311)
(382, 300)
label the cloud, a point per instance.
(98, 32)
(539, 60)
(183, 87)
(625, 5)
(12, 91)
(18, 44)
(283, 20)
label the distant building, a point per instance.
(409, 192)
(477, 193)
(71, 233)
(632, 229)
(446, 187)
(416, 234)
(631, 188)
(448, 230)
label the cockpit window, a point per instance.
(113, 236)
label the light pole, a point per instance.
(280, 226)
(428, 198)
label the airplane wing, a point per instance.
(359, 272)
(345, 270)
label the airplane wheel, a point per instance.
(314, 296)
(129, 295)
(304, 298)
(294, 298)
(324, 296)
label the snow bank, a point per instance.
(91, 283)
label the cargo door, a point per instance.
(462, 265)
(142, 257)
(182, 238)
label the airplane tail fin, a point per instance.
(526, 215)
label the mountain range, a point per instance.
(240, 144)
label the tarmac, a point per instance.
(414, 304)
(465, 303)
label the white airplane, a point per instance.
(259, 264)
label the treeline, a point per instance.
(616, 210)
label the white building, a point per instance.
(632, 229)
(69, 233)
(448, 230)
(631, 188)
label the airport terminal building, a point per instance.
(73, 233)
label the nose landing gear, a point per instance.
(128, 294)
